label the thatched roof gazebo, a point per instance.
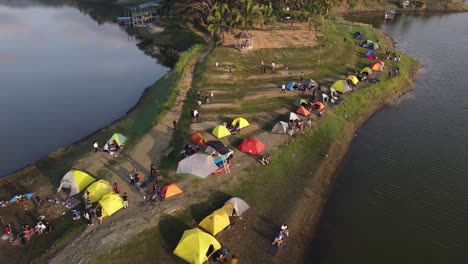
(243, 40)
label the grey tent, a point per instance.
(235, 206)
(293, 116)
(199, 165)
(218, 146)
(280, 128)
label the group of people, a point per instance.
(392, 56)
(279, 238)
(234, 129)
(26, 232)
(189, 150)
(111, 147)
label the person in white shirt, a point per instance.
(95, 146)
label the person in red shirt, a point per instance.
(116, 188)
(8, 232)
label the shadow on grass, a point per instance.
(215, 201)
(171, 229)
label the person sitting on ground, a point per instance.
(222, 254)
(76, 215)
(263, 160)
(106, 147)
(48, 227)
(116, 188)
(284, 230)
(309, 122)
(278, 240)
(321, 113)
(19, 199)
(8, 233)
(38, 201)
(40, 228)
(116, 145)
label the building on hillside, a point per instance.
(243, 40)
(144, 14)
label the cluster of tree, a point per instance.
(221, 16)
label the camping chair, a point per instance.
(325, 98)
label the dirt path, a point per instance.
(139, 216)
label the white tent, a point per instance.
(76, 181)
(293, 116)
(198, 164)
(235, 206)
(280, 128)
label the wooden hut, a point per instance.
(243, 40)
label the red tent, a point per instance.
(301, 110)
(251, 146)
(372, 56)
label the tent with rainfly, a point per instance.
(318, 105)
(292, 85)
(378, 66)
(196, 246)
(303, 111)
(215, 222)
(76, 181)
(367, 71)
(220, 131)
(371, 56)
(341, 86)
(369, 52)
(352, 79)
(119, 138)
(241, 121)
(235, 206)
(170, 190)
(252, 146)
(280, 128)
(97, 190)
(199, 165)
(110, 203)
(299, 101)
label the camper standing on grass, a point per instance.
(125, 200)
(95, 146)
(283, 88)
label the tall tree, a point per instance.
(220, 21)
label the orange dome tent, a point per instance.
(197, 139)
(303, 111)
(251, 146)
(318, 105)
(378, 66)
(170, 190)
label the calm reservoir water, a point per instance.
(401, 195)
(65, 72)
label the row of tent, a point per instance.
(196, 246)
(343, 86)
(221, 131)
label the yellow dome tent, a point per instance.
(220, 131)
(341, 86)
(216, 221)
(110, 203)
(196, 246)
(366, 70)
(242, 122)
(353, 79)
(76, 181)
(97, 190)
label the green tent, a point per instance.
(298, 102)
(119, 138)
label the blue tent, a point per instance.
(291, 85)
(369, 52)
(28, 195)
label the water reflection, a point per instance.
(67, 70)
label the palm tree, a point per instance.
(219, 21)
(248, 13)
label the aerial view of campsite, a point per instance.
(234, 131)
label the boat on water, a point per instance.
(389, 14)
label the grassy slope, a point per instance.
(256, 185)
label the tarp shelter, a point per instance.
(119, 138)
(218, 146)
(353, 79)
(199, 165)
(242, 122)
(28, 196)
(292, 85)
(280, 128)
(293, 116)
(341, 86)
(369, 52)
(299, 101)
(220, 131)
(76, 181)
(366, 70)
(197, 139)
(251, 146)
(97, 190)
(196, 246)
(319, 105)
(303, 111)
(170, 190)
(371, 56)
(377, 66)
(110, 203)
(235, 206)
(215, 222)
